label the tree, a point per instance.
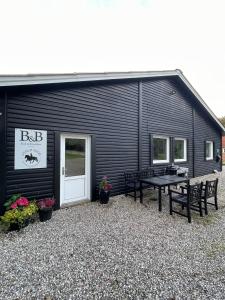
(222, 120)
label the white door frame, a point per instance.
(87, 139)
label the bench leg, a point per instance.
(141, 193)
(216, 203)
(160, 198)
(206, 208)
(200, 208)
(189, 213)
(171, 207)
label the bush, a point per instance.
(18, 212)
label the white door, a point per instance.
(75, 168)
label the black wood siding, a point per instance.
(2, 148)
(108, 111)
(167, 115)
(205, 131)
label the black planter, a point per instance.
(17, 226)
(45, 214)
(104, 196)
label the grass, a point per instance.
(74, 155)
(206, 220)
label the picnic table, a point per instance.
(160, 182)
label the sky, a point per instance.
(64, 36)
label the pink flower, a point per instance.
(22, 201)
(108, 187)
(14, 205)
(46, 203)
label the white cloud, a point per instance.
(117, 35)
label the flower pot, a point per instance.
(104, 196)
(17, 226)
(45, 214)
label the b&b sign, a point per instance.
(30, 149)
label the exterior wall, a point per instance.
(168, 115)
(2, 148)
(205, 131)
(223, 149)
(110, 112)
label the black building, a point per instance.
(100, 124)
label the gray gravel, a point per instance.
(123, 250)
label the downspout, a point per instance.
(139, 125)
(193, 140)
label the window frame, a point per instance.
(223, 150)
(176, 160)
(156, 161)
(212, 150)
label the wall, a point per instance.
(166, 114)
(108, 110)
(2, 148)
(223, 146)
(205, 131)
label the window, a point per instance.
(223, 150)
(209, 150)
(161, 146)
(180, 150)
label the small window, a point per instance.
(223, 150)
(161, 146)
(180, 150)
(209, 150)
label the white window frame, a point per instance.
(185, 150)
(167, 160)
(212, 150)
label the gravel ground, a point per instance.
(123, 250)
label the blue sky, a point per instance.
(54, 36)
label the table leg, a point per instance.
(141, 193)
(160, 198)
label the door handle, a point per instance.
(63, 171)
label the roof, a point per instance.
(34, 79)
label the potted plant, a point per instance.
(45, 208)
(19, 212)
(104, 190)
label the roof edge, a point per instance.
(202, 102)
(34, 79)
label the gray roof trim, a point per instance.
(34, 79)
(31, 79)
(202, 102)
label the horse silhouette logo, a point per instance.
(30, 158)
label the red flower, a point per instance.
(109, 186)
(22, 201)
(49, 202)
(13, 205)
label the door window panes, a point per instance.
(74, 157)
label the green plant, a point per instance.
(18, 215)
(11, 200)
